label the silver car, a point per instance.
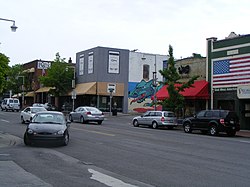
(28, 113)
(86, 114)
(156, 119)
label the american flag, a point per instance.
(231, 72)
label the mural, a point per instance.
(140, 95)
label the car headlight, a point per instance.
(61, 132)
(30, 131)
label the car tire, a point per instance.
(135, 123)
(154, 125)
(22, 120)
(70, 118)
(82, 119)
(187, 128)
(213, 131)
(66, 139)
(99, 122)
(26, 140)
(231, 133)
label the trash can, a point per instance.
(114, 112)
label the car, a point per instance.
(11, 104)
(47, 127)
(38, 105)
(49, 106)
(28, 113)
(85, 114)
(156, 119)
(213, 121)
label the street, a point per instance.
(118, 154)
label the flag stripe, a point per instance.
(231, 72)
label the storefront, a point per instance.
(196, 97)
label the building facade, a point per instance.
(228, 71)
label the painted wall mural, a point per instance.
(140, 95)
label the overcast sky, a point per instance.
(46, 27)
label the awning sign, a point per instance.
(243, 92)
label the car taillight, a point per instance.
(222, 121)
(162, 119)
(88, 113)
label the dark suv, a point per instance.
(213, 121)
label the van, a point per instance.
(10, 104)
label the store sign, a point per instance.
(243, 92)
(224, 89)
(43, 65)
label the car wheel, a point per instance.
(70, 118)
(22, 120)
(213, 130)
(135, 123)
(154, 125)
(66, 139)
(26, 140)
(99, 122)
(82, 119)
(187, 128)
(231, 133)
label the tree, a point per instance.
(176, 101)
(4, 61)
(59, 77)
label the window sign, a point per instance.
(90, 63)
(114, 63)
(81, 65)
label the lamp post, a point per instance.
(22, 89)
(154, 85)
(13, 27)
(73, 96)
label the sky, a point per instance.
(46, 27)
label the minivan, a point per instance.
(11, 104)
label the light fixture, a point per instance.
(13, 27)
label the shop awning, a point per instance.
(44, 89)
(30, 94)
(198, 91)
(85, 88)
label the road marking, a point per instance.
(242, 141)
(108, 180)
(5, 121)
(96, 132)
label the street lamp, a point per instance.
(73, 96)
(22, 89)
(13, 27)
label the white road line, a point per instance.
(5, 121)
(108, 180)
(242, 141)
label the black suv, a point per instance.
(213, 121)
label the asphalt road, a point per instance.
(120, 155)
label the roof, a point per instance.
(198, 91)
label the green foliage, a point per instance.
(176, 101)
(59, 76)
(13, 81)
(4, 61)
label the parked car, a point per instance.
(86, 114)
(156, 119)
(49, 106)
(213, 121)
(12, 104)
(46, 127)
(28, 113)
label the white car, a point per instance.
(28, 113)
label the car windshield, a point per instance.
(48, 118)
(38, 109)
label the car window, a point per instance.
(10, 101)
(158, 113)
(201, 114)
(90, 109)
(16, 101)
(209, 114)
(151, 113)
(48, 118)
(169, 114)
(224, 113)
(216, 114)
